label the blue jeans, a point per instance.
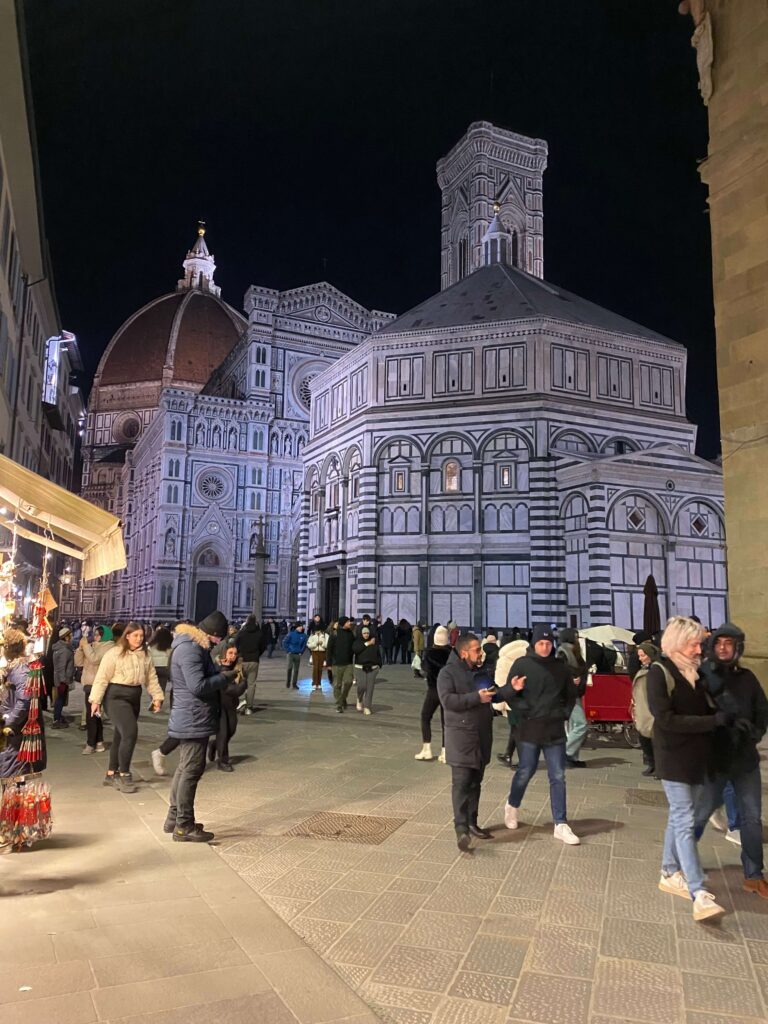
(576, 729)
(731, 807)
(528, 759)
(747, 796)
(681, 852)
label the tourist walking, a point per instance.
(737, 691)
(121, 674)
(317, 643)
(197, 684)
(91, 655)
(417, 646)
(542, 708)
(159, 648)
(63, 675)
(433, 659)
(646, 653)
(294, 645)
(251, 642)
(387, 637)
(367, 655)
(569, 652)
(340, 655)
(403, 640)
(684, 721)
(272, 631)
(466, 692)
(218, 748)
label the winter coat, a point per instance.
(737, 691)
(417, 640)
(570, 655)
(508, 655)
(63, 663)
(683, 726)
(432, 660)
(250, 642)
(545, 703)
(387, 633)
(340, 647)
(129, 668)
(318, 641)
(366, 655)
(14, 711)
(468, 722)
(92, 655)
(197, 684)
(295, 642)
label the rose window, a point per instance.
(211, 486)
(305, 390)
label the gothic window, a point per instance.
(505, 476)
(463, 258)
(253, 503)
(175, 430)
(399, 481)
(258, 501)
(451, 477)
(211, 486)
(172, 494)
(260, 477)
(257, 440)
(253, 476)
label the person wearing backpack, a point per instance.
(647, 654)
(737, 691)
(684, 723)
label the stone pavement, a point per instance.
(522, 930)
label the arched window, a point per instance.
(451, 477)
(258, 501)
(253, 502)
(258, 440)
(175, 430)
(253, 477)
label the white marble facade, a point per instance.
(504, 453)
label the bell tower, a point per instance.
(491, 171)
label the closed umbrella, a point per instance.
(651, 613)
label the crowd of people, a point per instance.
(699, 713)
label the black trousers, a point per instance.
(465, 795)
(185, 779)
(428, 708)
(123, 704)
(646, 745)
(93, 724)
(512, 741)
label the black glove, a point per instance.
(712, 679)
(724, 718)
(228, 673)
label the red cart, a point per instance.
(607, 705)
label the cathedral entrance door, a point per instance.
(331, 598)
(206, 599)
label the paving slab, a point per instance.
(126, 926)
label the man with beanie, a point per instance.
(63, 675)
(341, 657)
(737, 692)
(569, 652)
(542, 708)
(433, 659)
(466, 691)
(196, 683)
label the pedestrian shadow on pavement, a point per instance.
(606, 762)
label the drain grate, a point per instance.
(347, 828)
(645, 798)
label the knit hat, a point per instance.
(344, 619)
(541, 631)
(442, 637)
(650, 650)
(214, 624)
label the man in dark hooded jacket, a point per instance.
(197, 684)
(251, 642)
(542, 707)
(737, 692)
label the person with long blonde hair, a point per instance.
(123, 672)
(685, 719)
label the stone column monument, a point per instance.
(259, 554)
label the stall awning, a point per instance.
(73, 526)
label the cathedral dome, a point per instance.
(180, 338)
(177, 339)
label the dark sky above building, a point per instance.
(305, 132)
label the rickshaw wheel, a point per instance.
(631, 735)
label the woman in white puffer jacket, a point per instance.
(508, 655)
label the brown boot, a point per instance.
(759, 886)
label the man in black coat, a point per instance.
(466, 693)
(542, 708)
(251, 644)
(738, 693)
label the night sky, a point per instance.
(305, 132)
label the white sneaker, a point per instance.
(733, 836)
(441, 757)
(565, 835)
(718, 820)
(248, 711)
(425, 754)
(510, 816)
(704, 906)
(367, 711)
(158, 762)
(359, 705)
(242, 704)
(88, 750)
(675, 884)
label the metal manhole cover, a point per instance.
(645, 798)
(347, 828)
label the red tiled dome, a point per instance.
(178, 339)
